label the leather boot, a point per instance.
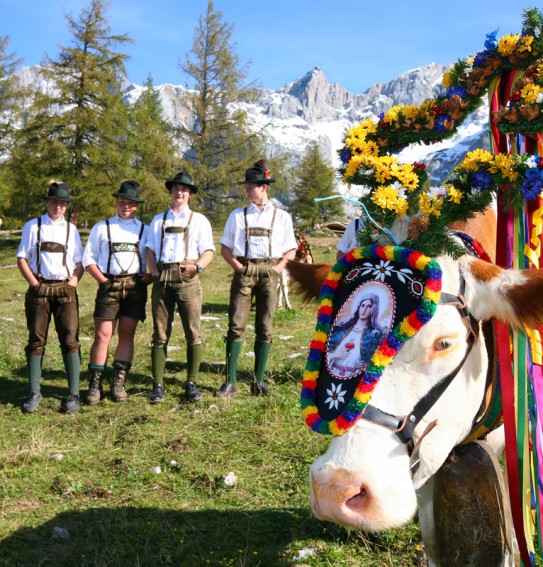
(96, 390)
(259, 387)
(228, 389)
(120, 371)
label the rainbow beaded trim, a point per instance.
(388, 348)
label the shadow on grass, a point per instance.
(211, 308)
(153, 537)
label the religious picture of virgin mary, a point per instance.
(359, 328)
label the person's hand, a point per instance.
(147, 278)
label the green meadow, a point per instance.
(217, 482)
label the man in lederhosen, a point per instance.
(115, 257)
(258, 241)
(179, 247)
(49, 258)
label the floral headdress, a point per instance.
(400, 193)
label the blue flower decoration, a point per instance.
(480, 59)
(440, 126)
(531, 188)
(491, 43)
(460, 91)
(481, 180)
(345, 155)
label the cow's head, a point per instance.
(364, 479)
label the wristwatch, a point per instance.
(198, 268)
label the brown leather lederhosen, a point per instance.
(256, 280)
(176, 289)
(52, 297)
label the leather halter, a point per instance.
(404, 427)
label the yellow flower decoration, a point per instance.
(530, 93)
(411, 112)
(430, 206)
(525, 43)
(447, 81)
(455, 195)
(387, 198)
(393, 113)
(503, 164)
(507, 44)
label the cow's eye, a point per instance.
(443, 344)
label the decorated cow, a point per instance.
(424, 345)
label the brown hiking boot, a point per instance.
(96, 393)
(118, 393)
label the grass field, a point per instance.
(140, 485)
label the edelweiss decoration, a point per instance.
(373, 300)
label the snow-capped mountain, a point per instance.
(310, 108)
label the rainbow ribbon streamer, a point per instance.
(520, 352)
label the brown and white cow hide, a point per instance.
(363, 480)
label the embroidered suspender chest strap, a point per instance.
(55, 247)
(123, 247)
(175, 229)
(258, 231)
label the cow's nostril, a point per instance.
(358, 501)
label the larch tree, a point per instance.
(77, 130)
(152, 149)
(316, 179)
(12, 105)
(220, 145)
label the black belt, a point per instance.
(245, 261)
(170, 265)
(113, 276)
(51, 282)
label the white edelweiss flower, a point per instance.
(531, 162)
(383, 270)
(437, 192)
(400, 188)
(539, 98)
(335, 395)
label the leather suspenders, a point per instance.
(175, 229)
(55, 247)
(257, 231)
(113, 247)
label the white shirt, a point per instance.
(122, 261)
(51, 267)
(282, 238)
(348, 240)
(173, 250)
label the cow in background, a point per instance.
(304, 255)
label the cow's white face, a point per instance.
(363, 480)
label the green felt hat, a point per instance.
(182, 178)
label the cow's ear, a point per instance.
(513, 296)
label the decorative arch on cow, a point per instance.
(510, 69)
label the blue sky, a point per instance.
(356, 44)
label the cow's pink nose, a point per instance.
(346, 504)
(358, 502)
